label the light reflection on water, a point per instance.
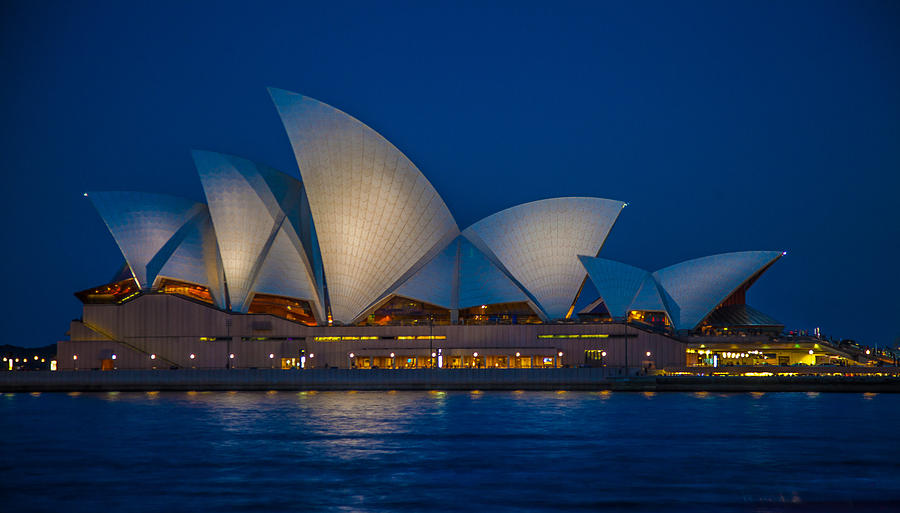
(452, 451)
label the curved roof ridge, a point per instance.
(722, 255)
(533, 202)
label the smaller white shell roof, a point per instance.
(143, 226)
(693, 289)
(538, 244)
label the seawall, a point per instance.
(438, 379)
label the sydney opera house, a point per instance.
(357, 262)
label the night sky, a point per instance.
(726, 126)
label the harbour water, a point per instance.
(449, 451)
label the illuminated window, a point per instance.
(401, 311)
(345, 339)
(183, 288)
(499, 313)
(594, 355)
(587, 335)
(654, 319)
(110, 293)
(296, 310)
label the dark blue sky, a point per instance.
(727, 126)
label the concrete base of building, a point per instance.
(165, 331)
(585, 379)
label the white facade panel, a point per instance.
(376, 215)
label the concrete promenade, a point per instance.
(439, 379)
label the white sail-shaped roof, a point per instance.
(255, 209)
(163, 235)
(617, 283)
(376, 216)
(538, 244)
(144, 224)
(695, 288)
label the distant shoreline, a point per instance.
(439, 379)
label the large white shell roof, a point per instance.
(538, 244)
(376, 215)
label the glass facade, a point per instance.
(111, 293)
(183, 288)
(475, 360)
(656, 320)
(402, 311)
(291, 309)
(499, 313)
